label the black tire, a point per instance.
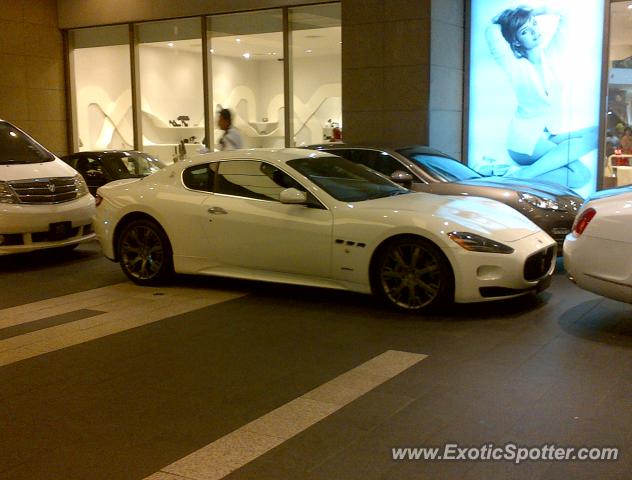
(411, 274)
(145, 253)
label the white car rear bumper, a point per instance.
(600, 266)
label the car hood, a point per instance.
(534, 187)
(482, 216)
(26, 171)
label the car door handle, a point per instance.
(217, 211)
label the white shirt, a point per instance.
(231, 140)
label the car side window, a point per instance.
(86, 165)
(376, 160)
(346, 153)
(200, 177)
(380, 162)
(252, 179)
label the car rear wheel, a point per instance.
(145, 252)
(412, 274)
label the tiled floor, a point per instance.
(129, 402)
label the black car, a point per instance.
(551, 206)
(101, 167)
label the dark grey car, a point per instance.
(551, 206)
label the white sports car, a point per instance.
(312, 218)
(598, 252)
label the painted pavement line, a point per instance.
(234, 450)
(121, 307)
(52, 321)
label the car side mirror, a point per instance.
(403, 178)
(292, 196)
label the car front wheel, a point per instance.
(412, 274)
(145, 252)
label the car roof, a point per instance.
(99, 152)
(272, 155)
(421, 149)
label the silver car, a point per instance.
(551, 206)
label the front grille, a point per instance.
(39, 191)
(538, 264)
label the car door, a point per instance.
(248, 227)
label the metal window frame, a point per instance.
(207, 84)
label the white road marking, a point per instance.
(232, 451)
(125, 305)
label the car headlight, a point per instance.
(81, 186)
(6, 194)
(539, 202)
(476, 243)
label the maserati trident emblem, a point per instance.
(51, 187)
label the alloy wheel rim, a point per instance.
(410, 276)
(142, 252)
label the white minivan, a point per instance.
(44, 203)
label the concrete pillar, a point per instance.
(385, 71)
(32, 94)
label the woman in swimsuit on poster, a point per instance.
(536, 140)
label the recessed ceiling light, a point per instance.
(170, 44)
(309, 50)
(238, 40)
(212, 50)
(246, 56)
(630, 6)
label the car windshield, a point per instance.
(345, 180)
(441, 168)
(130, 165)
(15, 147)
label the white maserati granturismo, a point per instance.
(598, 252)
(311, 218)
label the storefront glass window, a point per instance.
(101, 88)
(618, 141)
(171, 89)
(316, 74)
(246, 70)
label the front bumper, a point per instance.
(484, 276)
(25, 228)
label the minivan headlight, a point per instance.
(6, 193)
(81, 186)
(476, 243)
(539, 202)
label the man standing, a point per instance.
(231, 140)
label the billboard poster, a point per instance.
(535, 90)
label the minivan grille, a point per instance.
(45, 190)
